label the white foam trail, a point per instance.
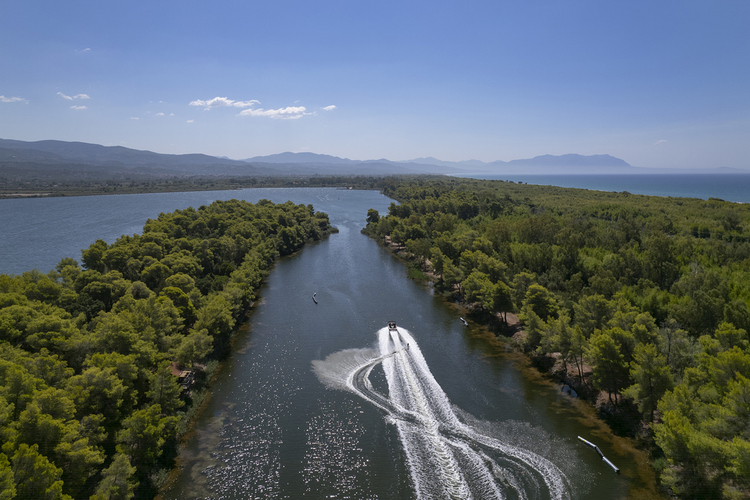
(446, 457)
(427, 452)
(336, 369)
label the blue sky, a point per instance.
(658, 84)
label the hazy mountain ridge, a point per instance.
(51, 158)
(544, 160)
(572, 163)
(571, 160)
(451, 164)
(83, 152)
(300, 158)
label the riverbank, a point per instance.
(128, 328)
(504, 339)
(11, 190)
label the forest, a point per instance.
(102, 365)
(638, 302)
(39, 187)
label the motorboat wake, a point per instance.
(447, 458)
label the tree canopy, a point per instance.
(653, 294)
(89, 404)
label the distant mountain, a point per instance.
(569, 160)
(18, 155)
(560, 164)
(301, 158)
(450, 164)
(83, 152)
(63, 161)
(51, 159)
(57, 160)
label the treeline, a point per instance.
(641, 300)
(89, 403)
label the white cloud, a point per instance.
(288, 113)
(87, 49)
(78, 107)
(134, 118)
(220, 102)
(159, 114)
(12, 99)
(70, 98)
(190, 121)
(660, 141)
(330, 108)
(171, 114)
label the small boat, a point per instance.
(392, 326)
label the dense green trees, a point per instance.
(89, 405)
(705, 426)
(651, 377)
(643, 299)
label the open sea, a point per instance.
(729, 187)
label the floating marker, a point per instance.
(614, 467)
(606, 460)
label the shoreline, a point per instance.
(241, 330)
(104, 187)
(585, 411)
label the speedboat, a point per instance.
(392, 326)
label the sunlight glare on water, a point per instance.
(447, 457)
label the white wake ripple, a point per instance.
(446, 457)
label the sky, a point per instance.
(660, 84)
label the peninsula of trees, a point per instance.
(642, 301)
(89, 403)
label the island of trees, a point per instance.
(90, 404)
(640, 302)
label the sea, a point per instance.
(728, 187)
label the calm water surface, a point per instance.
(439, 420)
(38, 232)
(321, 401)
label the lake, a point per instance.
(323, 401)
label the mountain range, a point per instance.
(59, 159)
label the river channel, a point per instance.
(322, 400)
